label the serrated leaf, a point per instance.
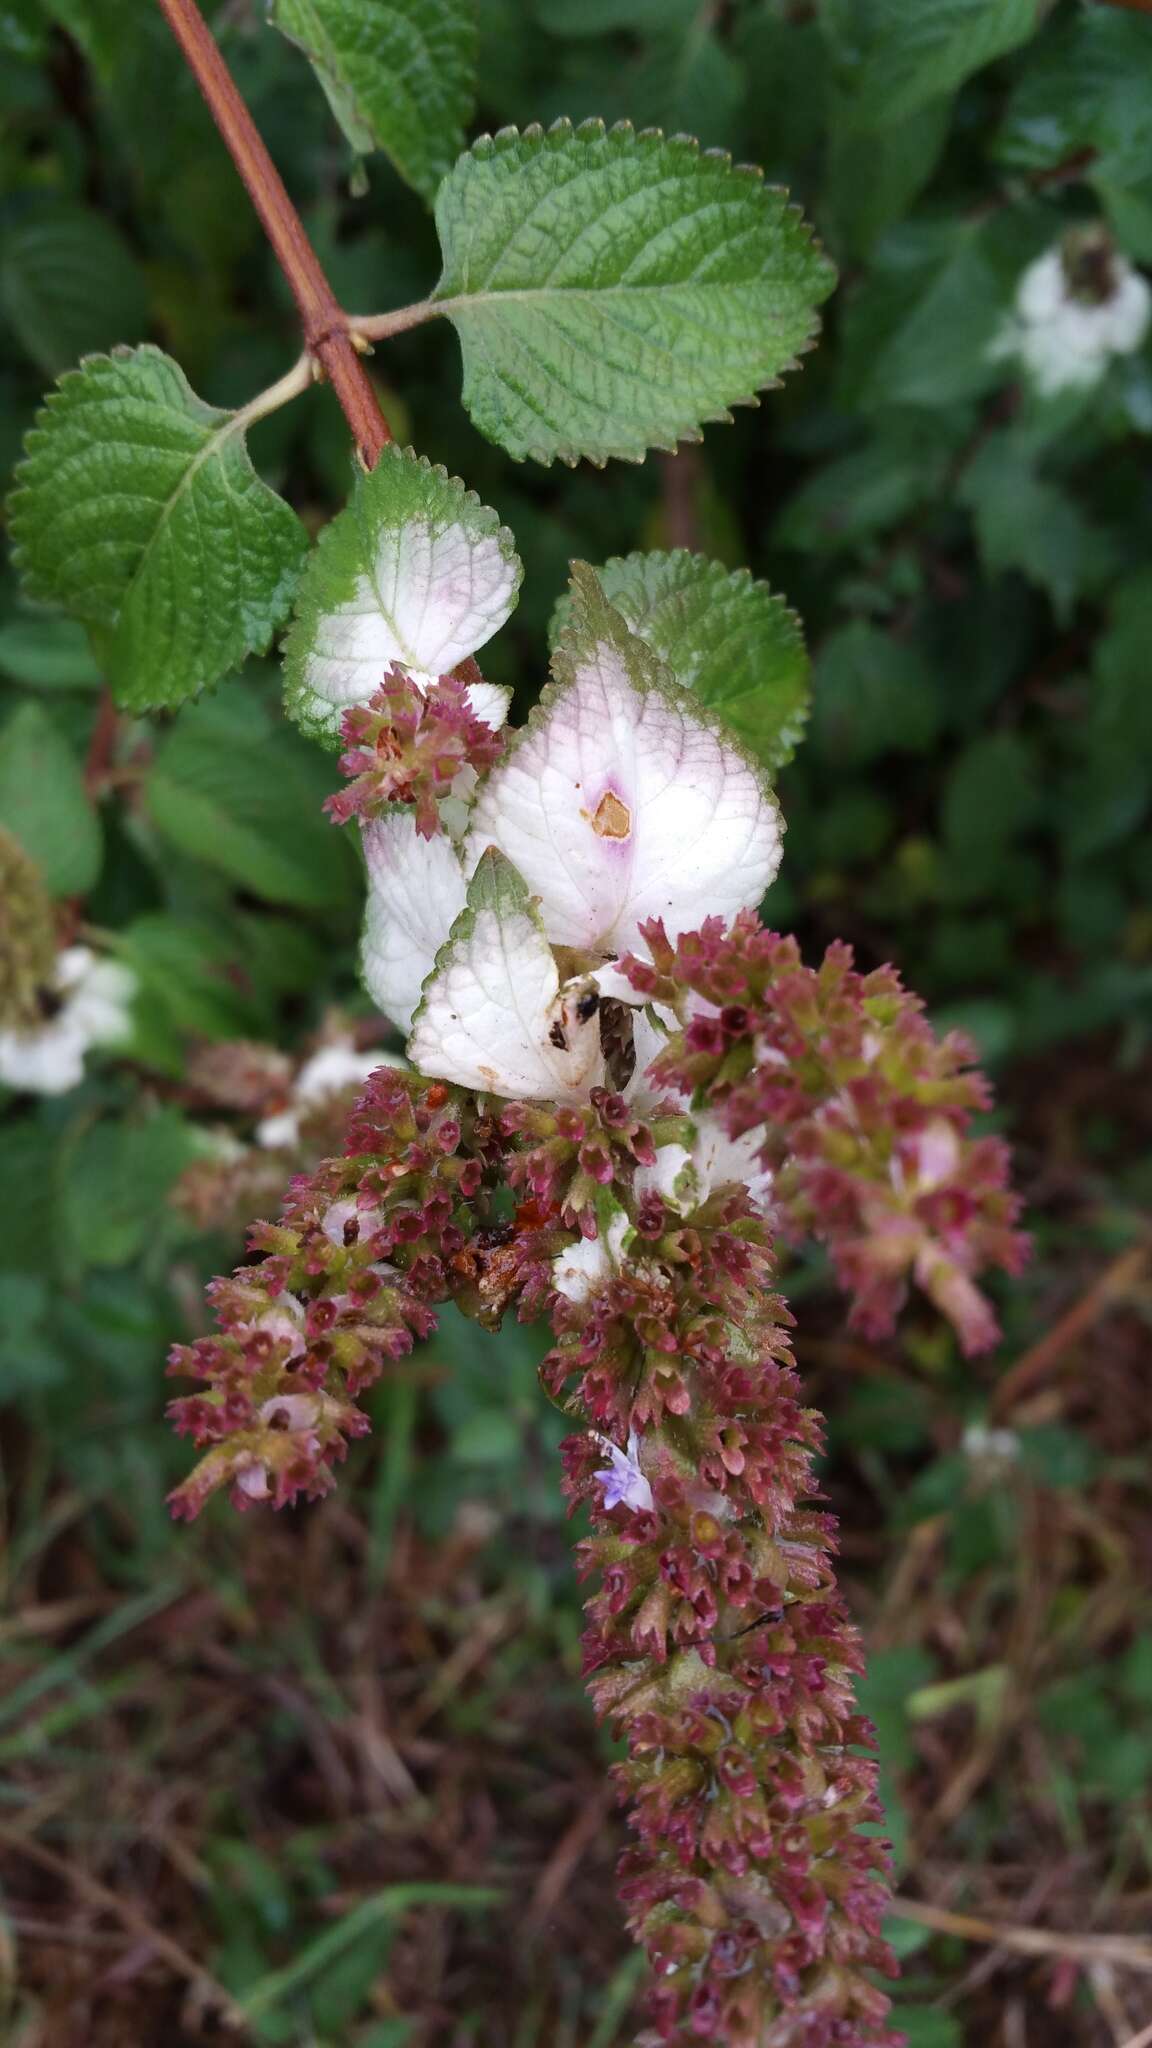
(138, 511)
(613, 291)
(414, 570)
(249, 804)
(623, 798)
(724, 636)
(44, 802)
(895, 56)
(399, 74)
(492, 1015)
(69, 284)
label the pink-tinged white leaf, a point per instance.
(622, 799)
(493, 1016)
(416, 891)
(415, 570)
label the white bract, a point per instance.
(684, 1178)
(587, 1266)
(1065, 337)
(621, 800)
(93, 999)
(417, 571)
(327, 1074)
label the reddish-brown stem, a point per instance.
(325, 325)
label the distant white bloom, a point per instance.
(580, 1271)
(623, 1482)
(1077, 307)
(990, 1447)
(94, 998)
(328, 1073)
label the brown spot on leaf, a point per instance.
(611, 819)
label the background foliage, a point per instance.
(329, 1760)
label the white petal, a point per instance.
(1130, 310)
(493, 1016)
(1043, 287)
(416, 893)
(621, 800)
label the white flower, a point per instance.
(685, 1178)
(329, 1072)
(1066, 335)
(992, 1448)
(623, 1482)
(620, 801)
(583, 1269)
(94, 998)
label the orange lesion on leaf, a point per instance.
(611, 819)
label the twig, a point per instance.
(101, 746)
(130, 1917)
(1114, 1283)
(1126, 1951)
(324, 323)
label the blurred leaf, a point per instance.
(379, 1912)
(895, 57)
(1024, 522)
(850, 497)
(69, 284)
(1088, 87)
(724, 636)
(990, 798)
(399, 75)
(583, 331)
(874, 176)
(249, 805)
(47, 653)
(872, 695)
(138, 511)
(44, 802)
(919, 329)
(117, 1178)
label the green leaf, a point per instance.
(873, 695)
(724, 636)
(415, 570)
(613, 291)
(44, 802)
(849, 498)
(399, 74)
(115, 1184)
(138, 511)
(47, 654)
(1088, 86)
(248, 804)
(1027, 523)
(895, 56)
(919, 330)
(873, 176)
(68, 284)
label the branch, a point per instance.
(325, 325)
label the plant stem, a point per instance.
(379, 326)
(324, 323)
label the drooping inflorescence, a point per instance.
(618, 1105)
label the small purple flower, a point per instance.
(622, 1480)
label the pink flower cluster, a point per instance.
(408, 745)
(866, 1114)
(717, 1644)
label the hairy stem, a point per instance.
(324, 323)
(380, 326)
